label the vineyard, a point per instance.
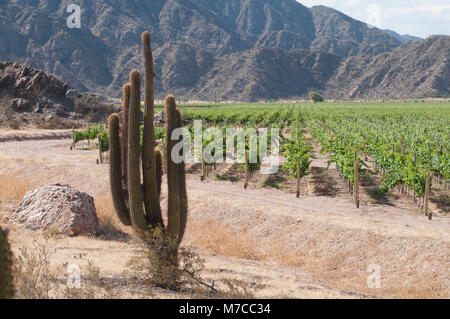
(400, 144)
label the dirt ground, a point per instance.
(316, 246)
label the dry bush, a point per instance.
(36, 278)
(33, 277)
(162, 264)
(157, 265)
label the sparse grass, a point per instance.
(219, 239)
(36, 278)
(108, 228)
(13, 188)
(12, 191)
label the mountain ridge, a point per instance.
(220, 50)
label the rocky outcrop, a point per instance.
(59, 208)
(32, 92)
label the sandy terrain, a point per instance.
(317, 246)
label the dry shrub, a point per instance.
(162, 263)
(220, 239)
(36, 278)
(33, 276)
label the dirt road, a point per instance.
(316, 246)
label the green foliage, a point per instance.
(399, 140)
(316, 97)
(293, 149)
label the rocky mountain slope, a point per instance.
(210, 50)
(32, 96)
(419, 70)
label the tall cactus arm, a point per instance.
(159, 173)
(173, 213)
(115, 171)
(182, 189)
(6, 279)
(151, 196)
(134, 173)
(124, 135)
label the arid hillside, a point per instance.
(223, 50)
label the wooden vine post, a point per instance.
(246, 170)
(427, 195)
(299, 176)
(73, 138)
(356, 186)
(203, 177)
(100, 149)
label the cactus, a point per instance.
(6, 284)
(118, 192)
(126, 91)
(138, 204)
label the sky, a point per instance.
(414, 17)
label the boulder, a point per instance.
(59, 208)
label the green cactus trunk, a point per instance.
(151, 196)
(174, 220)
(115, 171)
(6, 278)
(159, 172)
(183, 202)
(134, 149)
(126, 92)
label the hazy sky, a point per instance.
(415, 17)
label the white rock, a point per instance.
(60, 208)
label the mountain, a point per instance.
(203, 49)
(339, 34)
(421, 69)
(403, 38)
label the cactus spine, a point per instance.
(6, 282)
(144, 212)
